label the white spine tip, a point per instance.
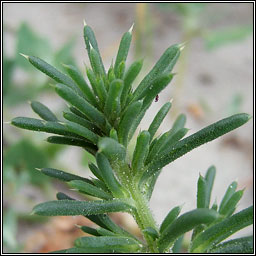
(7, 122)
(131, 28)
(182, 45)
(78, 226)
(38, 169)
(84, 23)
(24, 55)
(171, 100)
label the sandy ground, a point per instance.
(228, 70)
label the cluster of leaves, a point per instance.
(102, 120)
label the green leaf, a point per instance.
(75, 250)
(89, 38)
(89, 189)
(158, 119)
(129, 117)
(170, 217)
(231, 204)
(152, 91)
(105, 232)
(73, 142)
(101, 89)
(100, 184)
(61, 175)
(80, 120)
(240, 245)
(230, 191)
(129, 78)
(201, 192)
(209, 178)
(165, 143)
(63, 196)
(195, 140)
(111, 74)
(96, 63)
(81, 104)
(151, 232)
(94, 84)
(121, 244)
(77, 112)
(121, 70)
(141, 151)
(53, 72)
(89, 230)
(222, 230)
(94, 169)
(112, 226)
(82, 131)
(76, 75)
(155, 88)
(164, 65)
(172, 138)
(112, 149)
(179, 123)
(113, 134)
(178, 245)
(108, 175)
(183, 224)
(43, 111)
(112, 105)
(123, 50)
(74, 207)
(41, 126)
(150, 184)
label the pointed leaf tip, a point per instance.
(24, 55)
(131, 28)
(84, 22)
(182, 45)
(38, 169)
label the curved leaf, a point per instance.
(183, 224)
(239, 245)
(222, 230)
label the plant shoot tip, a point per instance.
(131, 28)
(24, 55)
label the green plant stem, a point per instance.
(143, 215)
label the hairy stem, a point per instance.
(143, 214)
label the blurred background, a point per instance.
(214, 80)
